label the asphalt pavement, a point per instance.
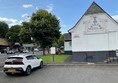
(4, 57)
(66, 74)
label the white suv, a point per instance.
(22, 63)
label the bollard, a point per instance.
(53, 58)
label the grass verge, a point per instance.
(57, 58)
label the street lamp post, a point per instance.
(33, 45)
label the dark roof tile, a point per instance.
(94, 8)
(67, 36)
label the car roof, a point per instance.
(21, 55)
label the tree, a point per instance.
(13, 33)
(25, 36)
(25, 33)
(59, 42)
(44, 27)
(26, 25)
(3, 29)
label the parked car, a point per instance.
(22, 63)
(10, 52)
(3, 50)
(36, 50)
(25, 51)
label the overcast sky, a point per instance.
(67, 11)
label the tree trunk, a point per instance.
(43, 51)
(48, 50)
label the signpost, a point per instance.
(53, 52)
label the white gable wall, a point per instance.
(100, 40)
(67, 46)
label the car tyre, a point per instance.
(28, 71)
(8, 74)
(41, 64)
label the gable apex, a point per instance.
(94, 8)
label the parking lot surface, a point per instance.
(66, 74)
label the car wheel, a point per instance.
(41, 64)
(28, 71)
(8, 74)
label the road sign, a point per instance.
(53, 50)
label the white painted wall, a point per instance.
(67, 46)
(86, 39)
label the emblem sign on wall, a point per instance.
(95, 25)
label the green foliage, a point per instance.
(59, 42)
(44, 27)
(13, 33)
(25, 33)
(3, 29)
(26, 25)
(25, 36)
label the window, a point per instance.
(15, 58)
(29, 57)
(35, 57)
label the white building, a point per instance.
(94, 36)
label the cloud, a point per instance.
(20, 22)
(27, 5)
(115, 17)
(25, 15)
(9, 21)
(63, 25)
(37, 8)
(50, 8)
(59, 18)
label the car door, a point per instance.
(37, 61)
(31, 61)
